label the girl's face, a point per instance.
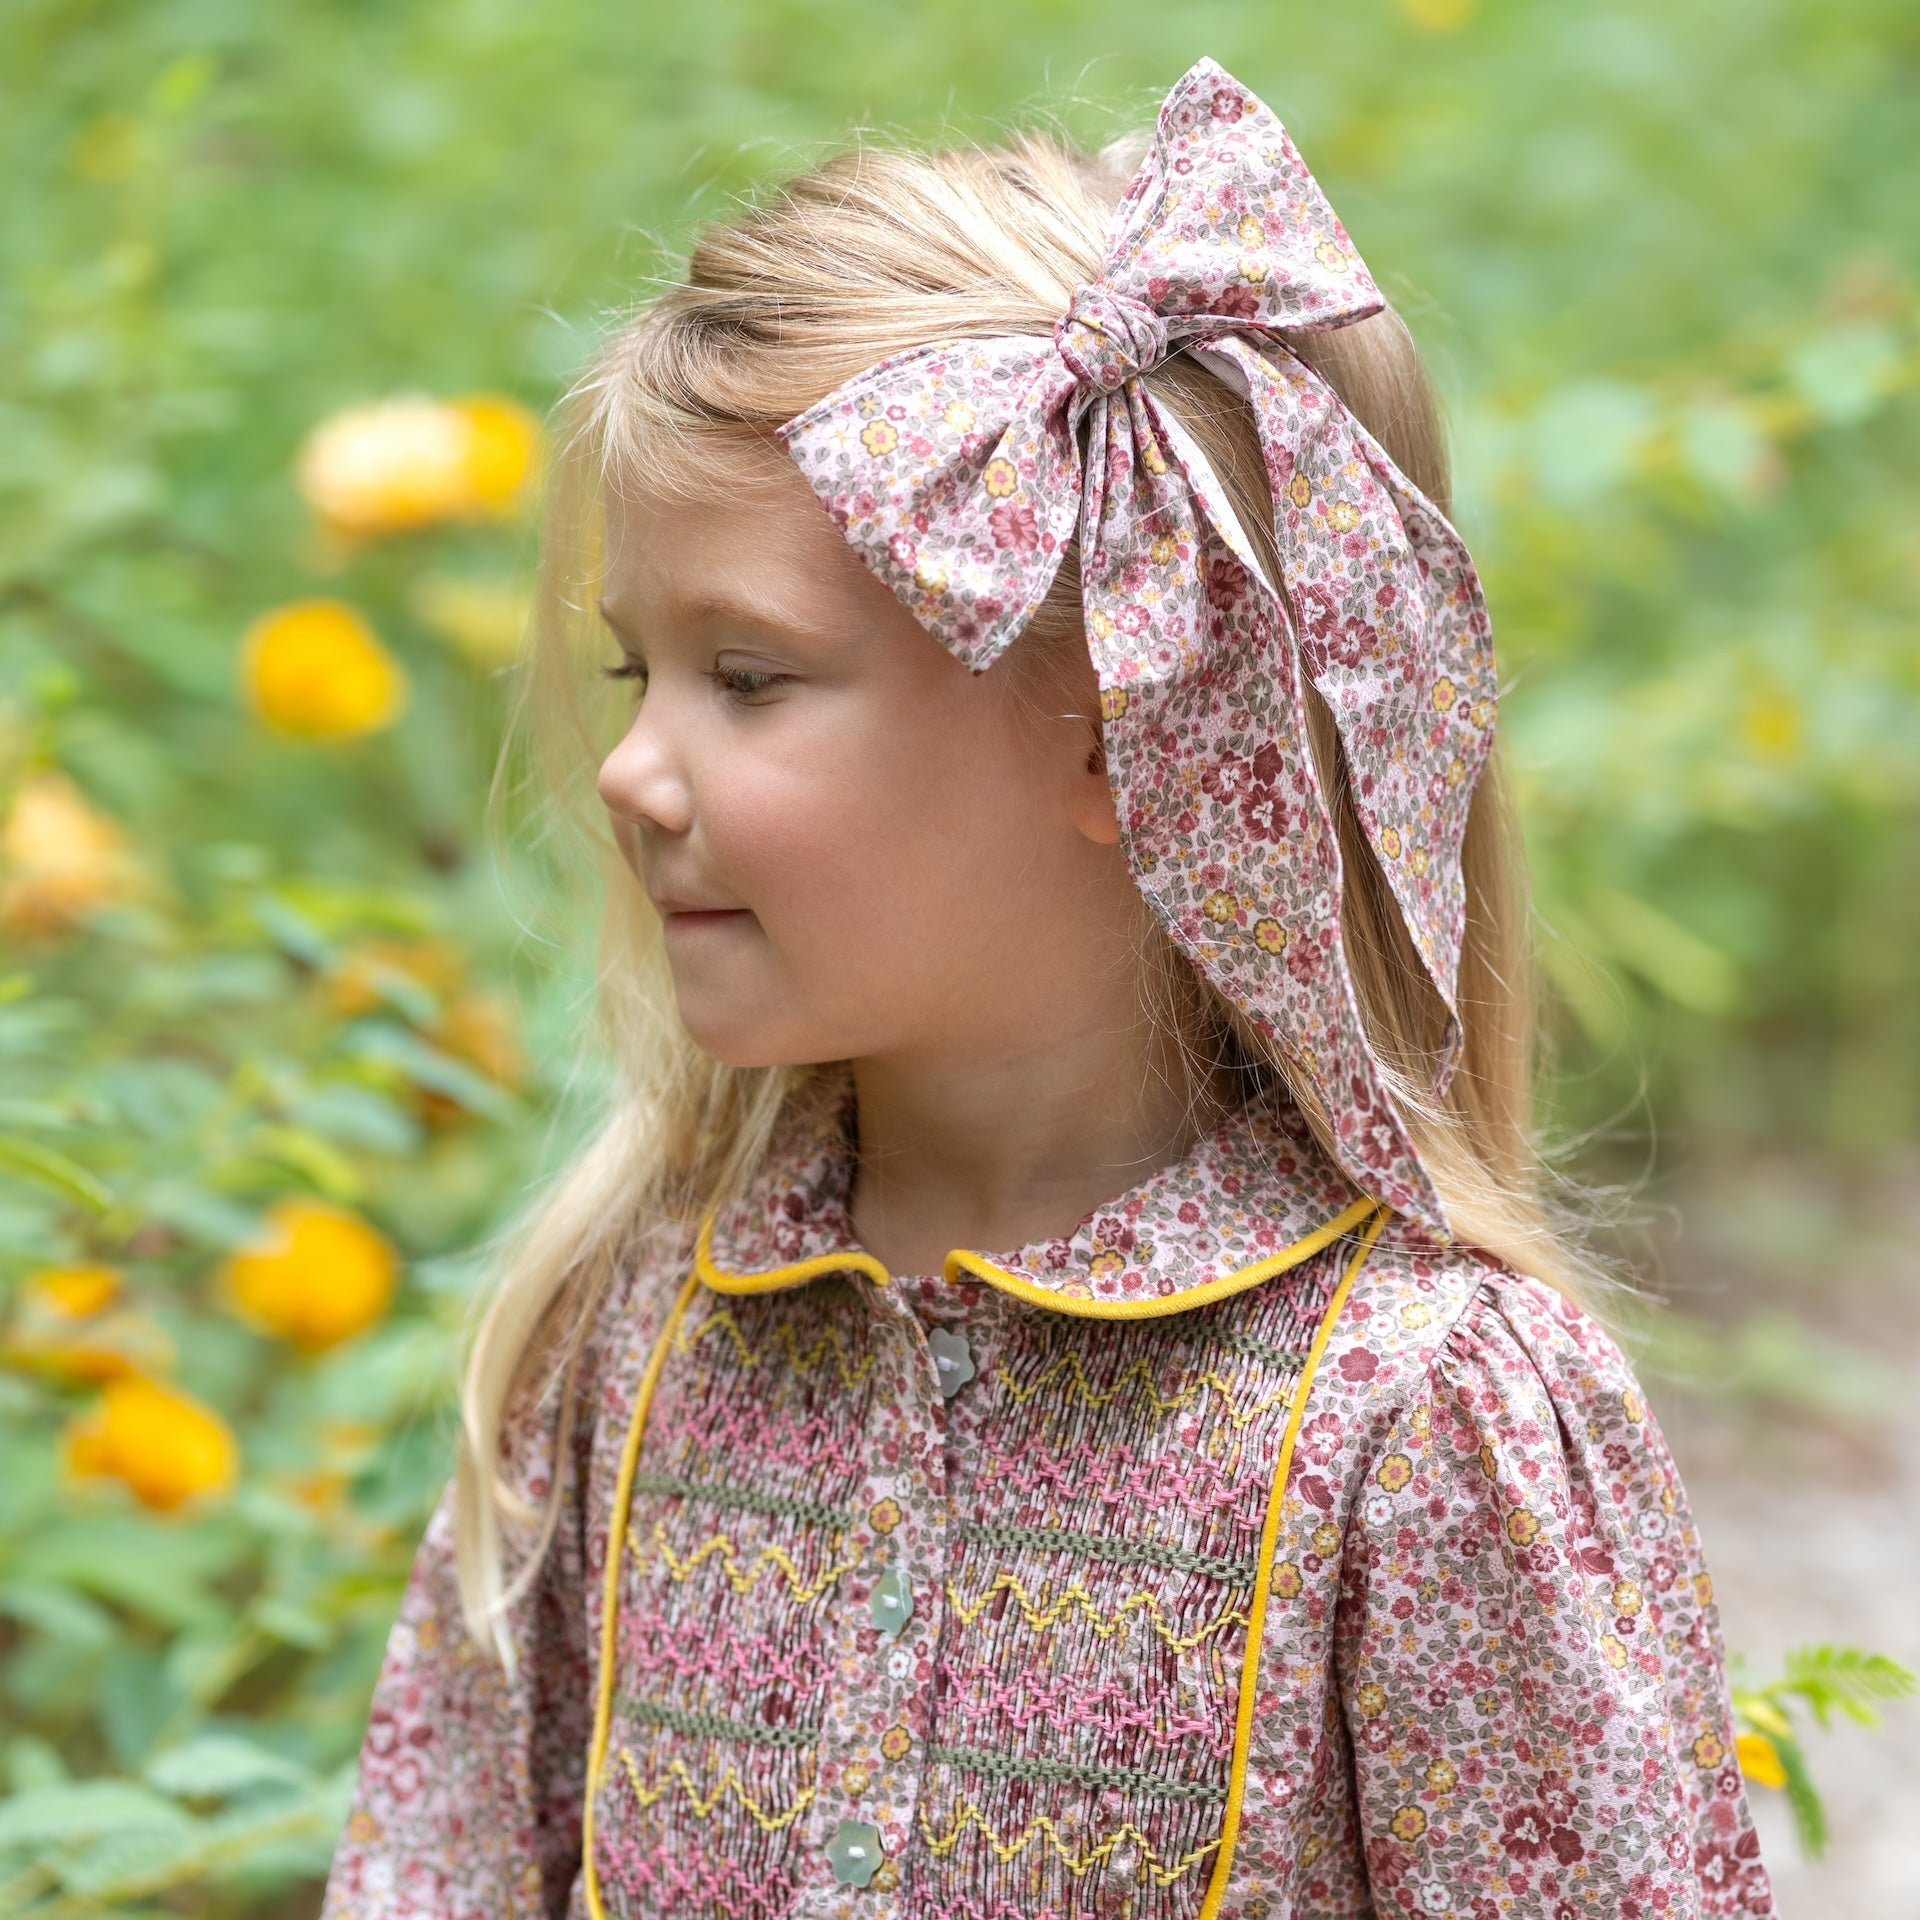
(859, 850)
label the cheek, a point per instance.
(887, 835)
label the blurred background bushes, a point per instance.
(283, 292)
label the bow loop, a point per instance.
(1106, 336)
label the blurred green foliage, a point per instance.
(1662, 259)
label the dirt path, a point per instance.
(1807, 1489)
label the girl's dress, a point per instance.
(1245, 1554)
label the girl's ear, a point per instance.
(1091, 801)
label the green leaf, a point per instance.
(31, 1161)
(1846, 1678)
(217, 1765)
(61, 1612)
(85, 1809)
(1803, 1797)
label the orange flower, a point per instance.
(318, 1277)
(60, 858)
(315, 669)
(358, 984)
(163, 1445)
(478, 1028)
(72, 1293)
(413, 461)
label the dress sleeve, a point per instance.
(1528, 1656)
(468, 1803)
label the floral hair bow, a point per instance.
(957, 471)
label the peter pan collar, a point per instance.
(1253, 1197)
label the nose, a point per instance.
(641, 782)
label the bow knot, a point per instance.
(1107, 337)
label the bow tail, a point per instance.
(1392, 628)
(1225, 828)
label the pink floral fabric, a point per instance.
(962, 470)
(1488, 1678)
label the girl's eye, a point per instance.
(743, 684)
(633, 670)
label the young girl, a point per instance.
(1054, 1392)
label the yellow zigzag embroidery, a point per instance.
(1037, 1615)
(829, 1344)
(768, 1822)
(1077, 1863)
(799, 1590)
(1139, 1370)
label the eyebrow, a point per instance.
(724, 606)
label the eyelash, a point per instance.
(738, 683)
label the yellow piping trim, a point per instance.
(961, 1262)
(1269, 1541)
(610, 1599)
(774, 1277)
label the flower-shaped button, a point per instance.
(854, 1849)
(953, 1358)
(891, 1602)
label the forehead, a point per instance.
(744, 512)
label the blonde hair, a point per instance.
(871, 253)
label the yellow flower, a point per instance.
(1151, 457)
(1001, 477)
(1343, 516)
(318, 1277)
(1760, 1760)
(1371, 1699)
(1218, 907)
(856, 1776)
(1107, 1260)
(1390, 842)
(958, 415)
(1443, 694)
(1633, 1406)
(1394, 1472)
(1299, 489)
(885, 1515)
(1164, 547)
(1326, 1540)
(879, 436)
(478, 1028)
(1626, 1597)
(413, 461)
(1329, 254)
(165, 1446)
(1708, 1750)
(484, 621)
(1417, 860)
(72, 1293)
(1772, 725)
(1522, 1526)
(59, 858)
(1441, 1776)
(314, 669)
(1251, 232)
(502, 439)
(1439, 16)
(1409, 1823)
(929, 578)
(895, 1742)
(1615, 1650)
(1285, 1584)
(1113, 702)
(1270, 935)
